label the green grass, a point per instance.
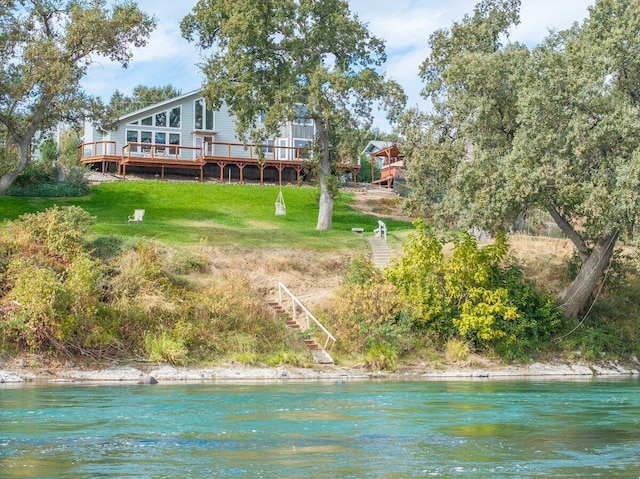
(187, 213)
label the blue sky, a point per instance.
(405, 25)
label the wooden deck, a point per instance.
(392, 167)
(229, 160)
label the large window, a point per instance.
(267, 147)
(160, 119)
(203, 116)
(132, 137)
(174, 139)
(174, 117)
(153, 137)
(282, 152)
(302, 116)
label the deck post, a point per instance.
(241, 168)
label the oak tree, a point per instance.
(273, 57)
(552, 128)
(46, 47)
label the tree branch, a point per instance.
(569, 230)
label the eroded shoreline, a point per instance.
(128, 374)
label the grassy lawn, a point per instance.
(187, 213)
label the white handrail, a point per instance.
(295, 304)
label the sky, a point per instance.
(404, 25)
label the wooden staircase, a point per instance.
(299, 318)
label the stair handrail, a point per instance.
(295, 303)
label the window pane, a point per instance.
(146, 121)
(174, 139)
(161, 138)
(161, 119)
(145, 137)
(198, 115)
(174, 117)
(267, 146)
(132, 137)
(209, 119)
(282, 154)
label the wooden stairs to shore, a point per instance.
(318, 352)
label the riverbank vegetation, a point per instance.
(190, 284)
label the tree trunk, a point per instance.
(325, 213)
(575, 297)
(7, 179)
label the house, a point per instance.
(388, 158)
(183, 133)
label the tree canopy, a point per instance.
(271, 57)
(552, 128)
(45, 50)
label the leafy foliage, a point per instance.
(369, 311)
(57, 297)
(446, 289)
(473, 292)
(554, 131)
(45, 50)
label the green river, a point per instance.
(351, 429)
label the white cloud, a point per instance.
(405, 25)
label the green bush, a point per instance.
(381, 356)
(42, 178)
(49, 190)
(163, 347)
(476, 293)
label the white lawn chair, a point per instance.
(381, 230)
(137, 216)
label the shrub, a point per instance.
(163, 347)
(476, 293)
(381, 356)
(456, 349)
(285, 357)
(55, 234)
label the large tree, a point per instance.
(46, 47)
(553, 128)
(271, 57)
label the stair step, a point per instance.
(322, 357)
(319, 354)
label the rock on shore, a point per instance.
(167, 374)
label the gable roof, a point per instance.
(175, 99)
(376, 145)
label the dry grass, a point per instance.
(544, 259)
(314, 276)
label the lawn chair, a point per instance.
(137, 216)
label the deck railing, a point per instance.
(301, 314)
(160, 151)
(218, 150)
(257, 152)
(98, 148)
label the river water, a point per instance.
(368, 429)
